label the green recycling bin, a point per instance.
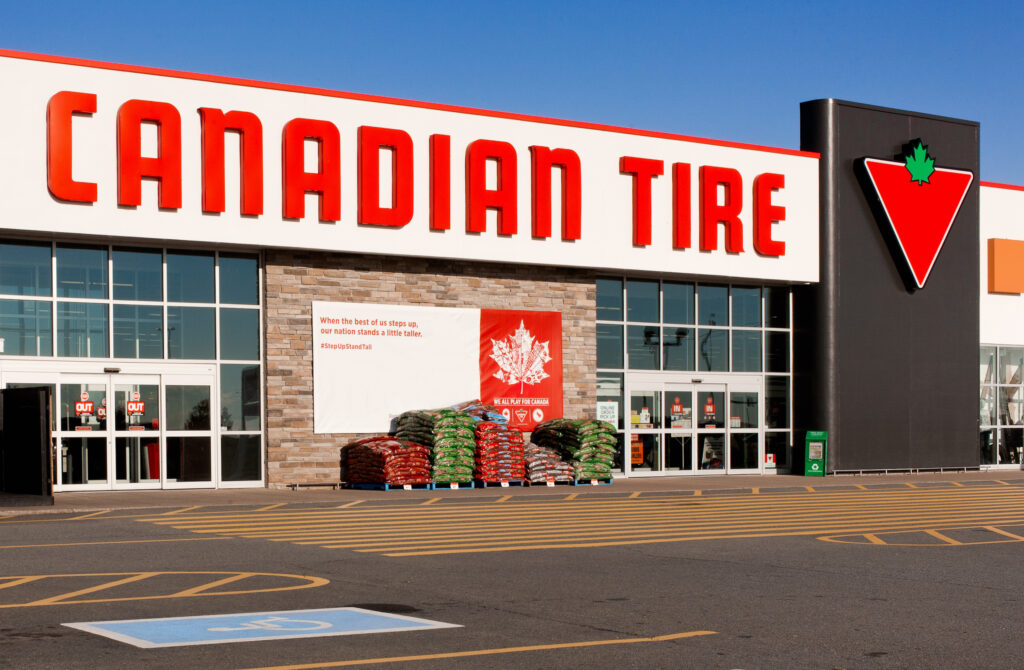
(815, 449)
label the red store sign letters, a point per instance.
(721, 190)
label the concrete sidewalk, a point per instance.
(118, 500)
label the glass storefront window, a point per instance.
(239, 279)
(642, 300)
(776, 402)
(642, 347)
(188, 407)
(188, 459)
(1011, 362)
(713, 303)
(190, 276)
(677, 345)
(610, 390)
(26, 328)
(776, 307)
(81, 272)
(713, 350)
(778, 443)
(746, 350)
(240, 397)
(609, 299)
(1010, 404)
(138, 331)
(743, 451)
(138, 275)
(678, 302)
(190, 333)
(240, 458)
(645, 409)
(82, 329)
(987, 365)
(24, 269)
(743, 409)
(776, 351)
(609, 346)
(239, 334)
(746, 307)
(987, 410)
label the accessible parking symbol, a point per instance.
(253, 626)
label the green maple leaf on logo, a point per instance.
(920, 165)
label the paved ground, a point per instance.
(902, 571)
(98, 500)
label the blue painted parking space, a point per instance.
(252, 626)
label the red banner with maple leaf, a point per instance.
(521, 365)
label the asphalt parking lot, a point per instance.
(866, 572)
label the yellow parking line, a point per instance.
(571, 496)
(503, 498)
(195, 590)
(270, 507)
(81, 544)
(755, 490)
(696, 492)
(634, 494)
(939, 536)
(488, 652)
(957, 484)
(910, 486)
(1003, 532)
(862, 487)
(351, 504)
(430, 502)
(93, 589)
(18, 581)
(810, 488)
(873, 539)
(181, 511)
(89, 515)
(1000, 481)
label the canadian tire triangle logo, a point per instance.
(920, 202)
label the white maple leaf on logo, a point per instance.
(520, 358)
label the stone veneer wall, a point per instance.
(294, 279)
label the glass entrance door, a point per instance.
(696, 428)
(136, 431)
(130, 431)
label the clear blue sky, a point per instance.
(725, 70)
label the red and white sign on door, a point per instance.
(521, 365)
(136, 407)
(83, 407)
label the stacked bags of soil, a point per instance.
(499, 453)
(543, 464)
(449, 434)
(386, 460)
(480, 412)
(588, 445)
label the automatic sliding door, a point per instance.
(711, 429)
(679, 425)
(136, 431)
(82, 438)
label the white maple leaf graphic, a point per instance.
(520, 358)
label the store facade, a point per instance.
(187, 262)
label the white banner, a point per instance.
(373, 362)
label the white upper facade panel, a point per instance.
(716, 209)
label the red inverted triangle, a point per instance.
(920, 214)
